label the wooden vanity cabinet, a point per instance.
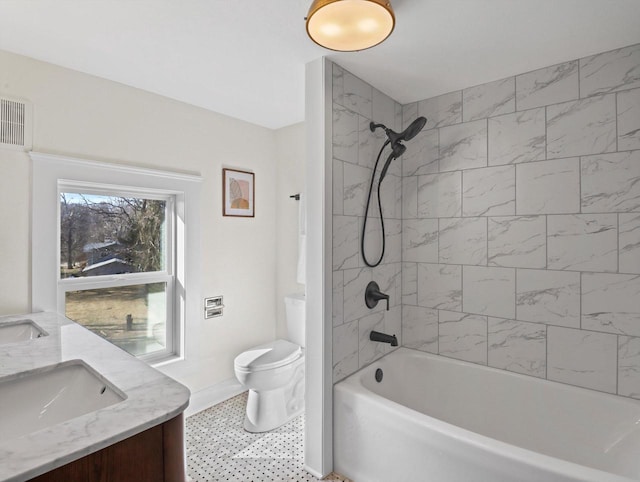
(155, 455)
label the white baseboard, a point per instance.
(210, 396)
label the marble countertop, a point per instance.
(152, 397)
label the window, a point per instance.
(120, 241)
(116, 266)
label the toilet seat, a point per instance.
(271, 355)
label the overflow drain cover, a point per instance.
(379, 375)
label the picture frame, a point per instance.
(238, 193)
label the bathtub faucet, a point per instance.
(383, 337)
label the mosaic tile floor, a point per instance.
(219, 449)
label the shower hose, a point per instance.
(366, 213)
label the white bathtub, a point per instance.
(435, 419)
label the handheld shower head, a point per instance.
(398, 150)
(414, 128)
(409, 133)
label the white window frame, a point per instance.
(130, 279)
(55, 174)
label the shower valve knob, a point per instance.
(373, 294)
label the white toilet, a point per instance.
(274, 374)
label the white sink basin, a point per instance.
(35, 400)
(18, 331)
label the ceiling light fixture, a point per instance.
(350, 25)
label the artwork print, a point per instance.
(238, 193)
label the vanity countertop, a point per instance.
(151, 397)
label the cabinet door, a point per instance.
(137, 459)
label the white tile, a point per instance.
(551, 85)
(581, 127)
(393, 251)
(409, 284)
(582, 242)
(391, 195)
(490, 99)
(420, 328)
(410, 197)
(463, 336)
(358, 95)
(345, 134)
(440, 286)
(356, 187)
(519, 241)
(629, 366)
(338, 298)
(518, 137)
(548, 187)
(463, 241)
(338, 187)
(611, 183)
(611, 303)
(518, 346)
(629, 243)
(345, 350)
(368, 143)
(489, 291)
(393, 326)
(420, 240)
(610, 71)
(550, 297)
(582, 358)
(338, 84)
(355, 284)
(463, 146)
(629, 120)
(373, 241)
(409, 114)
(440, 195)
(398, 118)
(389, 278)
(490, 191)
(369, 351)
(345, 242)
(440, 111)
(384, 109)
(421, 156)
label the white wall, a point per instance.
(87, 117)
(290, 153)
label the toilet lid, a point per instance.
(270, 355)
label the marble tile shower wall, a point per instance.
(355, 147)
(521, 224)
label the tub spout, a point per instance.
(383, 338)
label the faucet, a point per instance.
(373, 294)
(383, 338)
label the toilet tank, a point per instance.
(295, 313)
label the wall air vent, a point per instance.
(15, 124)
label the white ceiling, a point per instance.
(245, 58)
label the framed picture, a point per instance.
(238, 190)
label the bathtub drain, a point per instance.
(379, 375)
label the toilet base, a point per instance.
(270, 409)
